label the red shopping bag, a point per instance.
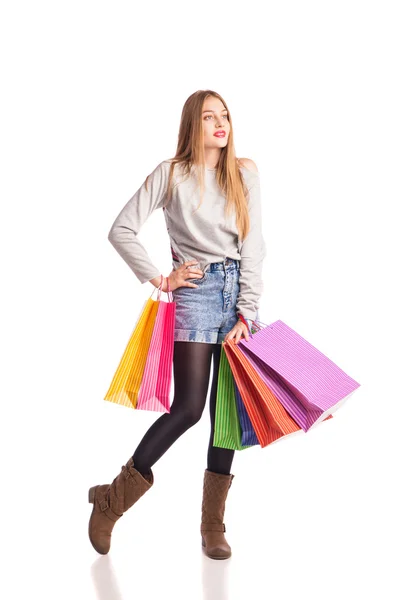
(154, 393)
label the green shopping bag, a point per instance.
(227, 430)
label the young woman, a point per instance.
(211, 204)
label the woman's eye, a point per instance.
(211, 116)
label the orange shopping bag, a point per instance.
(125, 385)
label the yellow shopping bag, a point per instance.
(124, 388)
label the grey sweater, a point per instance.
(204, 235)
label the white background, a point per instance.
(92, 94)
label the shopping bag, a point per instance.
(249, 437)
(154, 392)
(125, 384)
(227, 431)
(270, 420)
(278, 387)
(307, 383)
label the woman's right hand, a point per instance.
(181, 276)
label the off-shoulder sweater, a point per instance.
(205, 235)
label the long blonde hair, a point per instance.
(190, 154)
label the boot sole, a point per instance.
(210, 555)
(92, 493)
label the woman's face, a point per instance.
(215, 121)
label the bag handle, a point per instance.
(256, 323)
(170, 297)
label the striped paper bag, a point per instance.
(268, 417)
(125, 384)
(154, 393)
(227, 431)
(249, 437)
(307, 383)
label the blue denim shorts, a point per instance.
(208, 313)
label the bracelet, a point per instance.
(161, 283)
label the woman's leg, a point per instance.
(191, 368)
(219, 460)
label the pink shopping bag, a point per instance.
(307, 383)
(154, 392)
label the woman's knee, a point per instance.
(191, 414)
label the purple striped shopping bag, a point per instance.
(307, 383)
(154, 392)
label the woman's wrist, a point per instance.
(157, 280)
(166, 284)
(245, 321)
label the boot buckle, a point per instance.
(129, 476)
(103, 505)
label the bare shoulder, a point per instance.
(248, 164)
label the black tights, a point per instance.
(191, 368)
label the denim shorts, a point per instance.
(208, 313)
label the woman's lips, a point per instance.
(219, 134)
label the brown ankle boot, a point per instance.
(215, 491)
(110, 501)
